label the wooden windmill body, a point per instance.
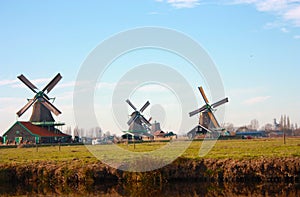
(207, 119)
(41, 128)
(138, 124)
(42, 107)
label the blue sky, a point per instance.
(254, 44)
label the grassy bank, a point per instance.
(234, 149)
(231, 160)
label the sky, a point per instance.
(254, 44)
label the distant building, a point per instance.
(279, 133)
(155, 127)
(242, 129)
(159, 134)
(170, 135)
(26, 132)
(275, 133)
(296, 132)
(250, 133)
(137, 136)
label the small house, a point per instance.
(250, 133)
(159, 134)
(137, 136)
(26, 132)
(171, 135)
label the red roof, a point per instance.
(159, 133)
(42, 131)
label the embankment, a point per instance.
(77, 172)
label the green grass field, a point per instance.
(235, 149)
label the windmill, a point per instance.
(42, 107)
(207, 119)
(137, 122)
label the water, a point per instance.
(167, 189)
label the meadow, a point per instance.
(234, 149)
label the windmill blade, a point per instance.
(203, 94)
(131, 105)
(133, 117)
(24, 109)
(197, 111)
(145, 120)
(213, 119)
(145, 106)
(51, 107)
(28, 83)
(52, 83)
(46, 97)
(221, 102)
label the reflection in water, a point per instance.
(168, 189)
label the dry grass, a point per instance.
(236, 149)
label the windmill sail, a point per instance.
(133, 117)
(207, 118)
(28, 83)
(145, 120)
(197, 111)
(26, 107)
(138, 122)
(221, 102)
(39, 99)
(203, 94)
(145, 106)
(131, 105)
(213, 120)
(51, 107)
(52, 83)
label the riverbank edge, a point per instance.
(74, 172)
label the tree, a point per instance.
(107, 133)
(288, 124)
(281, 122)
(76, 131)
(284, 122)
(99, 132)
(268, 127)
(254, 124)
(229, 127)
(68, 131)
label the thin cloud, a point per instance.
(255, 100)
(10, 99)
(7, 82)
(287, 10)
(293, 15)
(15, 83)
(152, 88)
(11, 104)
(65, 95)
(66, 84)
(40, 83)
(36, 82)
(106, 85)
(284, 30)
(235, 92)
(181, 3)
(297, 37)
(274, 24)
